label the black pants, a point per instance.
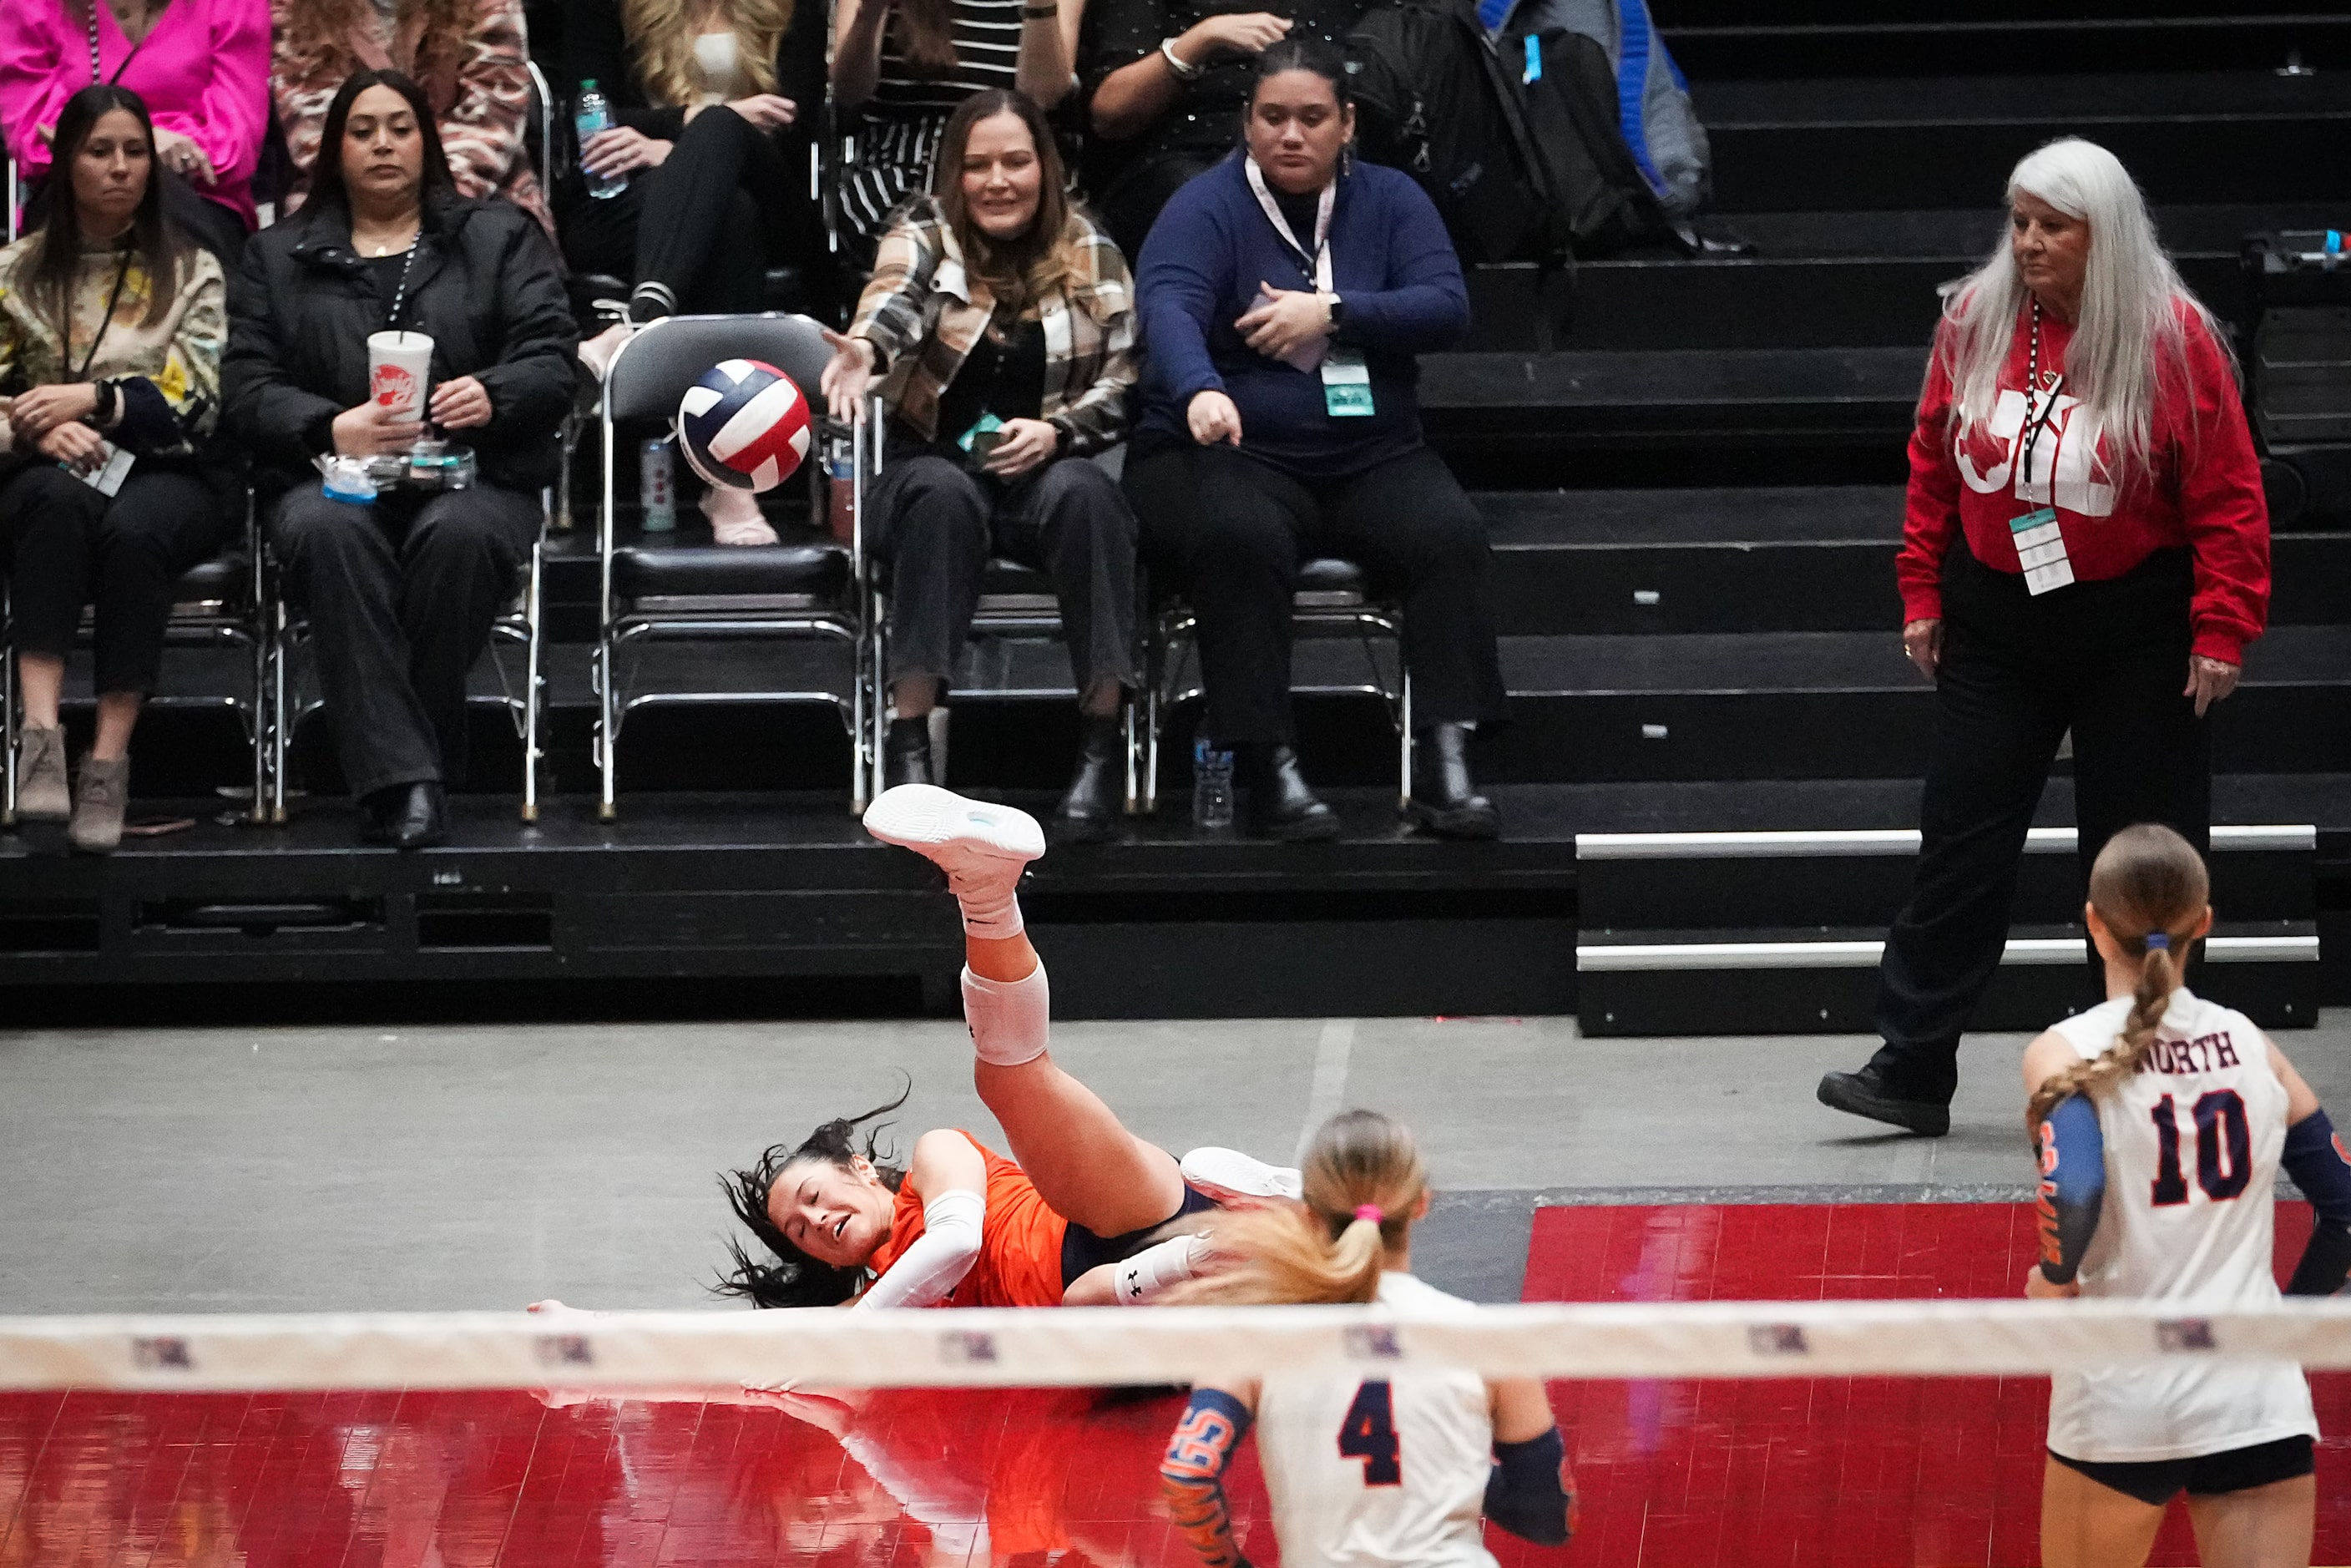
(1232, 530)
(2106, 660)
(696, 233)
(68, 545)
(401, 596)
(937, 524)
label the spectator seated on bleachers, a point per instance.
(472, 58)
(202, 66)
(1165, 83)
(400, 593)
(1005, 320)
(901, 67)
(111, 320)
(1283, 424)
(715, 106)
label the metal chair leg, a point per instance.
(281, 713)
(532, 681)
(1404, 708)
(608, 736)
(8, 675)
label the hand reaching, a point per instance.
(848, 377)
(1213, 419)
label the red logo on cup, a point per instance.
(393, 385)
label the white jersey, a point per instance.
(1381, 1472)
(2193, 1141)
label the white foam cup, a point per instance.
(399, 371)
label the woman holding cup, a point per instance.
(388, 311)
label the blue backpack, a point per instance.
(1660, 126)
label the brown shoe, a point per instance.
(41, 794)
(98, 804)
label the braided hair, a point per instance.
(2151, 888)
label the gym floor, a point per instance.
(447, 1167)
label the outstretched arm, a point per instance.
(952, 1178)
(1193, 1473)
(2320, 1166)
(1529, 1492)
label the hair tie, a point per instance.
(1371, 1211)
(2156, 942)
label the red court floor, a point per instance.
(1673, 1475)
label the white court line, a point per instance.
(1330, 1087)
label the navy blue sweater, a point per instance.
(1392, 265)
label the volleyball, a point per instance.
(744, 425)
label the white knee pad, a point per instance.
(1009, 1020)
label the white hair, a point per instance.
(2130, 323)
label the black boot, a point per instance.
(1090, 811)
(1880, 1094)
(906, 752)
(1445, 801)
(1278, 803)
(406, 816)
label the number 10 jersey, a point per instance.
(1380, 1472)
(2193, 1140)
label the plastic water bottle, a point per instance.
(1212, 786)
(595, 114)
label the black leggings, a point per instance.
(1232, 531)
(696, 233)
(2105, 660)
(69, 546)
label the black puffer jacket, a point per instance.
(487, 288)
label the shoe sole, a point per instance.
(1464, 824)
(1911, 1117)
(1229, 1177)
(926, 819)
(1312, 830)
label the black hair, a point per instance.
(795, 1279)
(1303, 55)
(159, 248)
(327, 184)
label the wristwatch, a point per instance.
(1175, 63)
(1337, 307)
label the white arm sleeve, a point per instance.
(939, 1259)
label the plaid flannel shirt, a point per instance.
(925, 313)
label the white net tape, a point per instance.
(620, 1353)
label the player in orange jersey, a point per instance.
(1072, 1222)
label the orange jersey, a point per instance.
(1020, 1263)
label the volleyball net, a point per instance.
(621, 1353)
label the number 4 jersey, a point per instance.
(1380, 1471)
(2193, 1141)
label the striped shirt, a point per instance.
(901, 125)
(987, 44)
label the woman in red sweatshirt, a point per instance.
(2086, 549)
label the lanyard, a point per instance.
(2033, 426)
(97, 68)
(1320, 255)
(399, 295)
(112, 299)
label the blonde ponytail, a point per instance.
(2150, 889)
(1363, 1181)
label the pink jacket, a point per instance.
(203, 71)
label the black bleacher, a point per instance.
(1693, 469)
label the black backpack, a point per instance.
(1569, 88)
(1434, 99)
